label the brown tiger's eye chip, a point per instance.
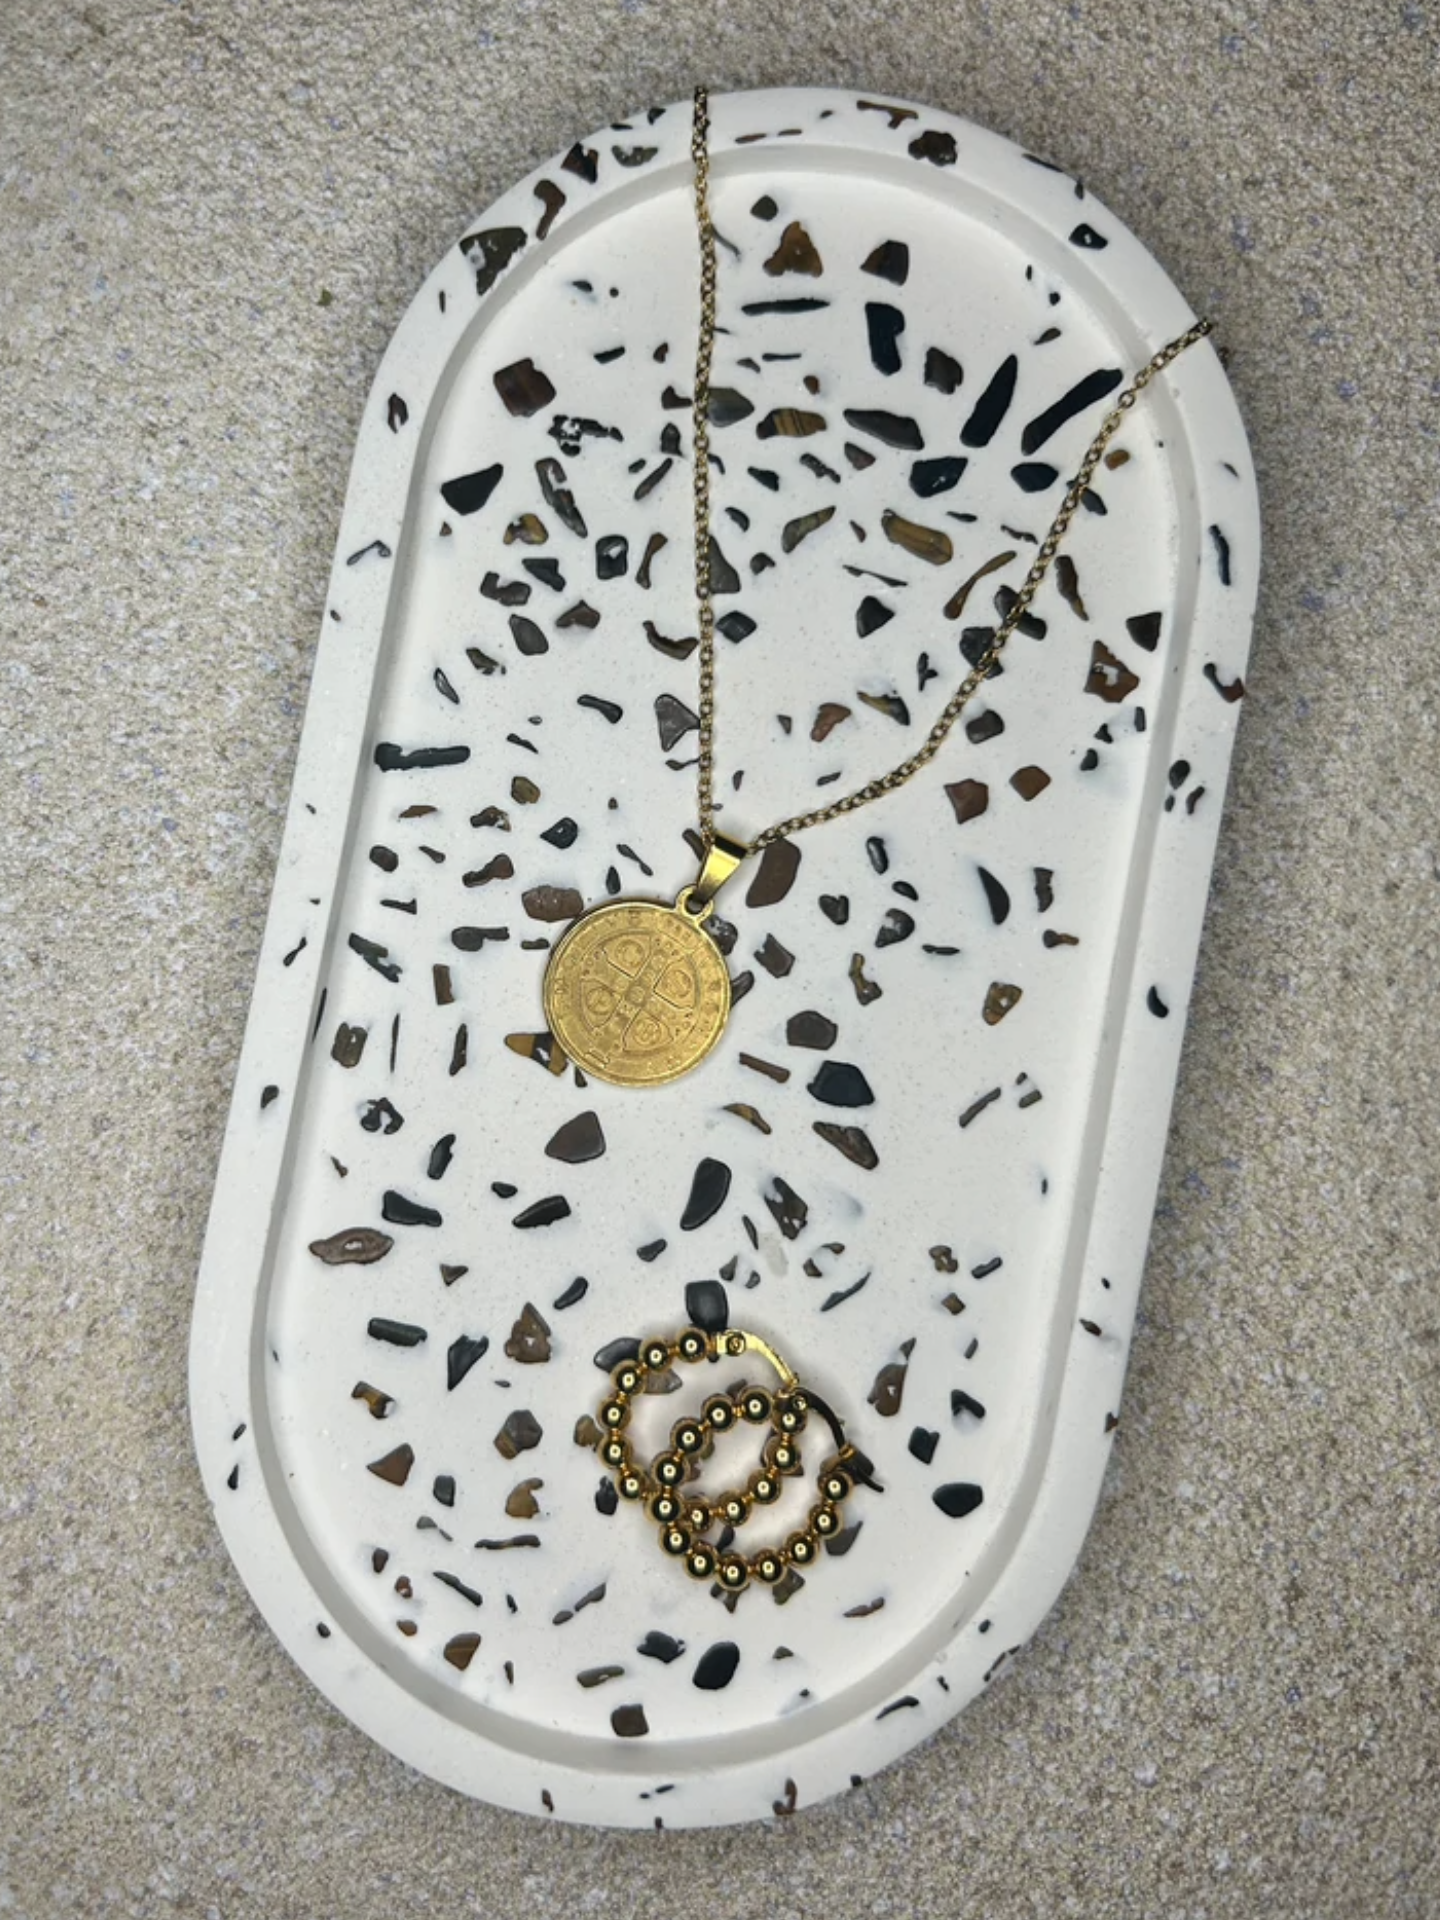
(796, 253)
(775, 875)
(523, 388)
(394, 1466)
(529, 1342)
(520, 1433)
(998, 1002)
(793, 423)
(853, 1142)
(1029, 782)
(1109, 677)
(353, 1247)
(926, 543)
(552, 903)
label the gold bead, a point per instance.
(835, 1486)
(664, 1509)
(675, 1541)
(735, 1343)
(668, 1469)
(655, 1354)
(825, 1521)
(697, 1516)
(614, 1451)
(764, 1489)
(627, 1377)
(755, 1406)
(700, 1562)
(734, 1573)
(800, 1549)
(767, 1566)
(615, 1414)
(693, 1344)
(719, 1413)
(785, 1457)
(630, 1486)
(687, 1436)
(735, 1509)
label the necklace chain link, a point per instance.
(980, 671)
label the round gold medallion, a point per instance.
(637, 993)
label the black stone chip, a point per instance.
(1033, 476)
(929, 477)
(990, 409)
(889, 261)
(789, 1210)
(942, 370)
(661, 1646)
(872, 613)
(462, 1356)
(957, 1498)
(529, 638)
(708, 1189)
(923, 1443)
(401, 1212)
(577, 1140)
(894, 429)
(996, 894)
(490, 252)
(716, 1666)
(547, 571)
(396, 1333)
(707, 1306)
(392, 759)
(469, 492)
(1083, 394)
(934, 145)
(612, 556)
(543, 1213)
(885, 325)
(839, 1084)
(614, 1351)
(811, 1029)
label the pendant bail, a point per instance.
(722, 857)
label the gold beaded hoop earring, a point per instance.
(685, 1519)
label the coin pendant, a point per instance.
(637, 993)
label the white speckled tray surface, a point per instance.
(923, 1159)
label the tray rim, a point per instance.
(331, 759)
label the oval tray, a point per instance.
(923, 1159)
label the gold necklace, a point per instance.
(637, 992)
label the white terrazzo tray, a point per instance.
(923, 1159)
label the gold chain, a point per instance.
(1049, 547)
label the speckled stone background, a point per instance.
(211, 218)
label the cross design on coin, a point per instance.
(637, 993)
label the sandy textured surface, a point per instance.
(211, 218)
